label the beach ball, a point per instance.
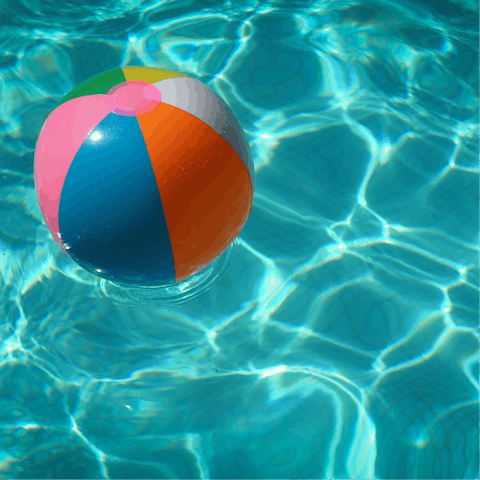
(143, 175)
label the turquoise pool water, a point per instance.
(338, 336)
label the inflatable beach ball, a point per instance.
(143, 175)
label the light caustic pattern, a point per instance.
(339, 339)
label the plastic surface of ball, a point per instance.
(143, 175)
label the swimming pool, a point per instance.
(338, 336)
